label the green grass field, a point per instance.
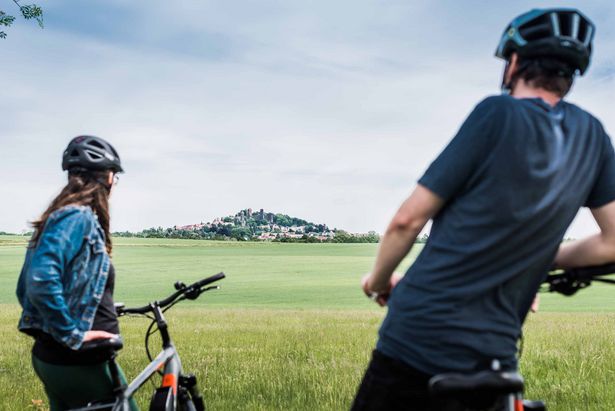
(290, 328)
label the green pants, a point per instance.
(73, 386)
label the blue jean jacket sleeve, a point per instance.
(49, 261)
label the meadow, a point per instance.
(290, 329)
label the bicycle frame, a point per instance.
(164, 359)
(165, 396)
(176, 391)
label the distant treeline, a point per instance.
(226, 233)
(341, 236)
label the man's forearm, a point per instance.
(395, 245)
(594, 250)
(401, 233)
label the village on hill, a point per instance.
(263, 226)
(249, 225)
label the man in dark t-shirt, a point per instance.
(501, 196)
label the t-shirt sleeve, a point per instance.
(603, 190)
(452, 169)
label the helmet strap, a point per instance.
(106, 185)
(505, 87)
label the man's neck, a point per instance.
(523, 90)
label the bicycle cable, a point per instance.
(148, 334)
(150, 331)
(168, 307)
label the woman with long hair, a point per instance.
(66, 284)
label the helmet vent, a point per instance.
(96, 144)
(94, 155)
(536, 29)
(565, 24)
(584, 32)
(74, 153)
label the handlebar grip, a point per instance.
(209, 280)
(136, 310)
(594, 271)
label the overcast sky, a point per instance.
(324, 110)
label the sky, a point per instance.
(327, 111)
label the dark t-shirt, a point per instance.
(512, 180)
(106, 317)
(47, 349)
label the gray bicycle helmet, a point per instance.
(89, 153)
(562, 34)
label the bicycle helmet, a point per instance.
(562, 34)
(89, 153)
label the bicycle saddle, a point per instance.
(491, 382)
(114, 344)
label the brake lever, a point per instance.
(192, 293)
(119, 309)
(195, 293)
(569, 284)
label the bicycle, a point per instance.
(495, 390)
(177, 391)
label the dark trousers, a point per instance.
(390, 385)
(73, 386)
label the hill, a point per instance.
(248, 225)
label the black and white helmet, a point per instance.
(563, 34)
(91, 153)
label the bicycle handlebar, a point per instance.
(209, 280)
(192, 292)
(575, 279)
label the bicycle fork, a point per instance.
(189, 395)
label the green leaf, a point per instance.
(32, 11)
(6, 20)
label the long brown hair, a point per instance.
(86, 189)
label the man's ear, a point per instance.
(511, 68)
(110, 178)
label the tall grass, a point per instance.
(313, 359)
(290, 328)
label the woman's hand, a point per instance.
(381, 298)
(97, 335)
(535, 304)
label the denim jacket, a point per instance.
(63, 277)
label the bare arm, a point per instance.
(595, 250)
(399, 237)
